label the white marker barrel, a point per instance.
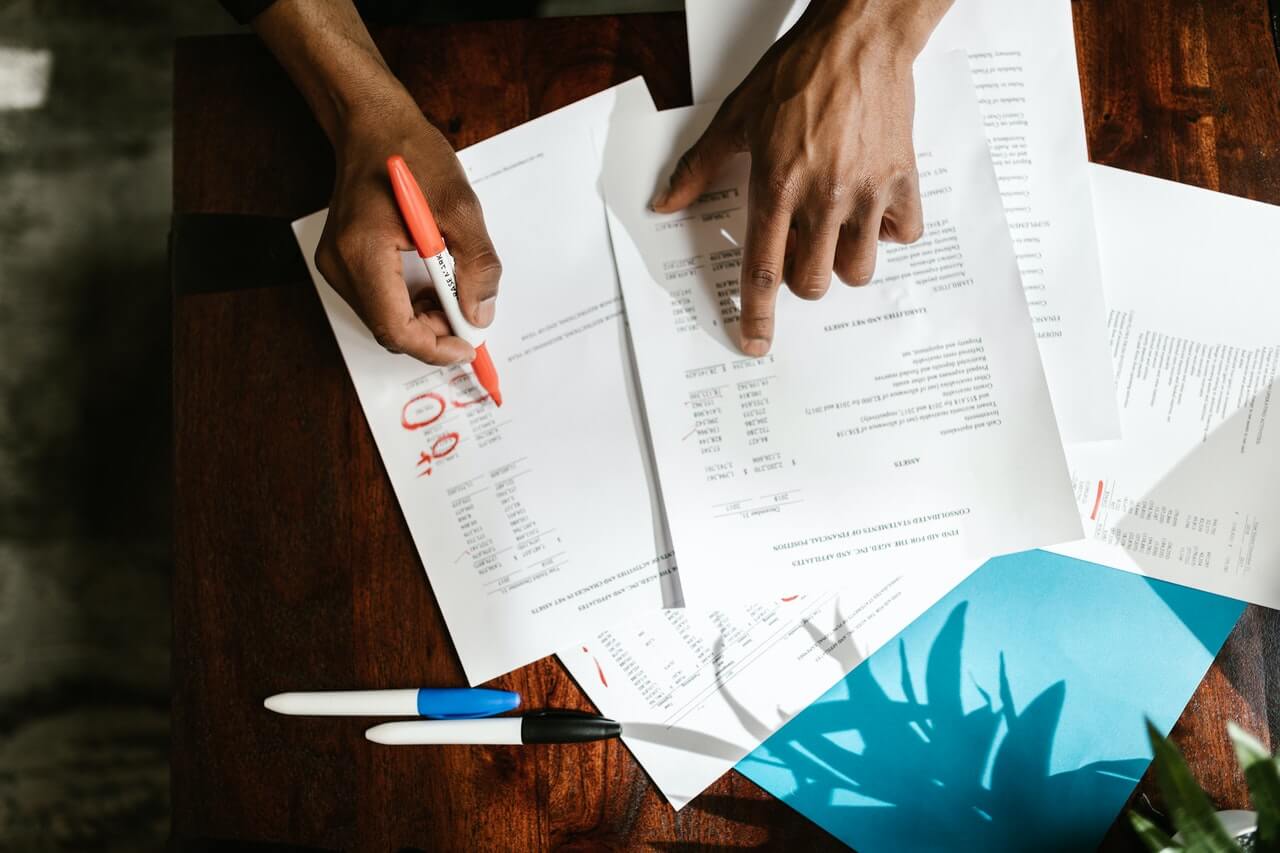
(497, 730)
(440, 268)
(347, 703)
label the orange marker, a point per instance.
(439, 264)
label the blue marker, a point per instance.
(443, 703)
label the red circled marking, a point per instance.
(435, 399)
(462, 404)
(450, 442)
(791, 598)
(1093, 516)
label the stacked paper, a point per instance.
(710, 541)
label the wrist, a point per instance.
(379, 110)
(897, 30)
(325, 48)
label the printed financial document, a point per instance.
(1022, 54)
(1191, 494)
(696, 691)
(897, 424)
(507, 505)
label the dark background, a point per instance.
(85, 409)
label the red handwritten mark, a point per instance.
(444, 445)
(462, 404)
(424, 418)
(599, 668)
(1093, 516)
(424, 410)
(790, 598)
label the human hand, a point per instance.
(359, 251)
(827, 116)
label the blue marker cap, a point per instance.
(463, 703)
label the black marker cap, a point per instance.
(566, 727)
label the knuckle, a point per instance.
(760, 279)
(858, 273)
(778, 182)
(865, 192)
(832, 191)
(911, 230)
(326, 261)
(812, 284)
(756, 309)
(905, 176)
(434, 359)
(757, 327)
(487, 267)
(687, 164)
(458, 204)
(389, 338)
(347, 245)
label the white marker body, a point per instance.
(440, 269)
(499, 730)
(346, 703)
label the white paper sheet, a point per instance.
(1191, 494)
(696, 691)
(898, 424)
(1022, 53)
(538, 523)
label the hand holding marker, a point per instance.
(439, 263)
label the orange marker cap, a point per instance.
(414, 208)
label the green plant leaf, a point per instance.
(1192, 812)
(1264, 789)
(1248, 748)
(1154, 837)
(1263, 775)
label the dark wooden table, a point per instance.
(294, 565)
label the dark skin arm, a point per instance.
(827, 116)
(368, 116)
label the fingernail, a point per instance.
(660, 197)
(485, 311)
(755, 347)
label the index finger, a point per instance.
(762, 256)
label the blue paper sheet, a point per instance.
(1008, 717)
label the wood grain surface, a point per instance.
(295, 567)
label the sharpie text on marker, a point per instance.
(439, 263)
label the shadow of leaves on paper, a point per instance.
(931, 775)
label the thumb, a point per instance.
(696, 168)
(476, 262)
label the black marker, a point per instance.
(538, 727)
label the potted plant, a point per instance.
(1199, 828)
